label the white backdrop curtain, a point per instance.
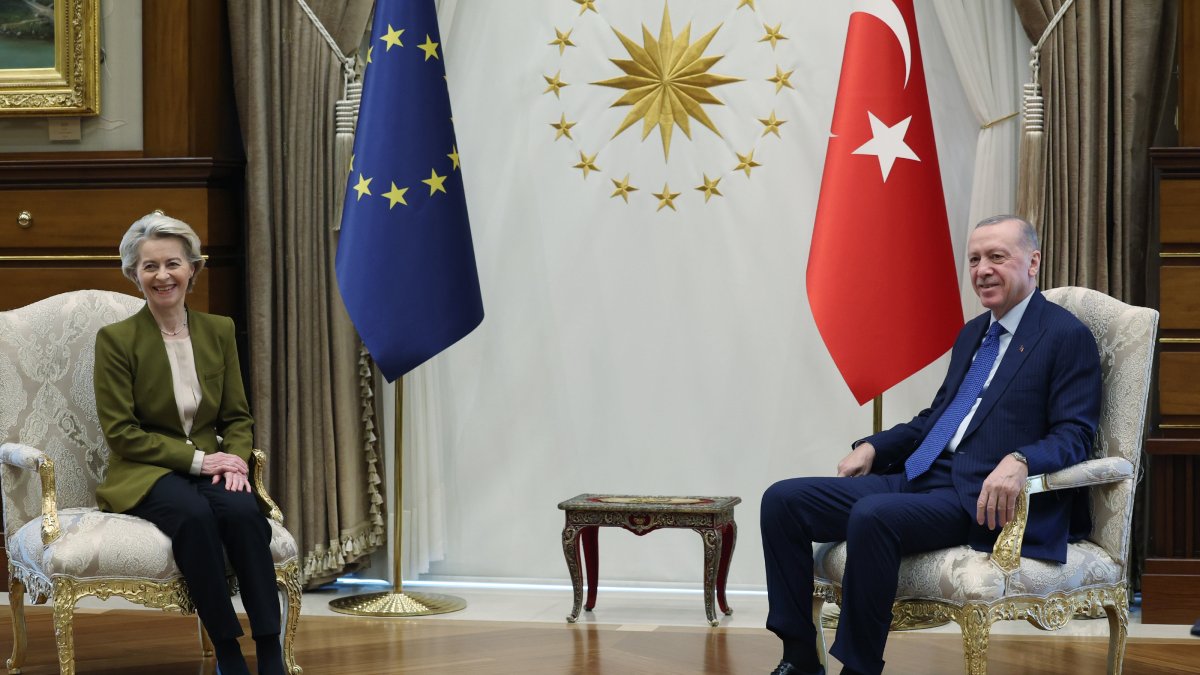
(988, 52)
(629, 348)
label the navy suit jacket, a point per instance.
(1044, 400)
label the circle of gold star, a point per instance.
(623, 188)
(562, 127)
(773, 34)
(666, 198)
(772, 125)
(555, 83)
(587, 163)
(563, 40)
(710, 188)
(781, 79)
(746, 162)
(666, 81)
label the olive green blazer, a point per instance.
(135, 400)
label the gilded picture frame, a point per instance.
(68, 86)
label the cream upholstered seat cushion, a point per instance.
(95, 544)
(960, 574)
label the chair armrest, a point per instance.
(260, 488)
(1006, 553)
(1090, 472)
(31, 459)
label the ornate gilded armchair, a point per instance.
(976, 589)
(61, 547)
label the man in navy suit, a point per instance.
(1030, 405)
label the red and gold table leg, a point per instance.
(728, 541)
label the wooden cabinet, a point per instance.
(61, 222)
(1171, 577)
(62, 215)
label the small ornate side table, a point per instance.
(711, 517)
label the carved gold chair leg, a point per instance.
(16, 605)
(1118, 632)
(818, 604)
(975, 625)
(64, 630)
(206, 645)
(288, 579)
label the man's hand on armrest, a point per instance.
(858, 462)
(998, 499)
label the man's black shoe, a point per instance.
(785, 668)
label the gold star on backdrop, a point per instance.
(395, 196)
(585, 5)
(587, 163)
(555, 84)
(745, 3)
(710, 188)
(772, 125)
(781, 79)
(563, 40)
(363, 187)
(370, 49)
(429, 47)
(435, 182)
(453, 156)
(392, 38)
(666, 198)
(773, 35)
(623, 188)
(746, 162)
(667, 81)
(562, 127)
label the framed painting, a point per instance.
(49, 57)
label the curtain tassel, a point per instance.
(345, 119)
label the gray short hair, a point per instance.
(158, 226)
(1029, 235)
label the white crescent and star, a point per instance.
(887, 142)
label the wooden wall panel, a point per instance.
(1189, 73)
(1178, 393)
(1180, 304)
(1179, 211)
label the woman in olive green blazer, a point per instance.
(137, 407)
(173, 409)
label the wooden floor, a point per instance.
(145, 643)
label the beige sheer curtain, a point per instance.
(311, 386)
(1104, 74)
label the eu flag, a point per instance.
(405, 263)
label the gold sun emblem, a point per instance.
(667, 81)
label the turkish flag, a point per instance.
(881, 278)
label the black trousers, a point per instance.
(206, 522)
(881, 519)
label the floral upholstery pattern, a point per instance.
(53, 456)
(972, 589)
(95, 544)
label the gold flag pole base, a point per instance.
(391, 603)
(397, 603)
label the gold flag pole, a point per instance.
(831, 613)
(396, 602)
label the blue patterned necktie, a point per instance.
(972, 385)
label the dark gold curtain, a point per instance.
(311, 388)
(1104, 75)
